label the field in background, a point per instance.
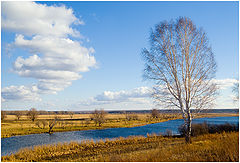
(10, 126)
(75, 116)
(216, 147)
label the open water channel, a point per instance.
(13, 144)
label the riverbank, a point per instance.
(11, 127)
(209, 147)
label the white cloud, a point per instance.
(137, 95)
(226, 101)
(225, 83)
(2, 99)
(13, 93)
(52, 86)
(142, 95)
(59, 59)
(56, 54)
(31, 18)
(124, 95)
(53, 58)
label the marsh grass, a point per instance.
(209, 147)
(222, 147)
(12, 127)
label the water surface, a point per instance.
(13, 144)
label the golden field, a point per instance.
(12, 127)
(209, 147)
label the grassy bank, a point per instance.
(12, 127)
(208, 147)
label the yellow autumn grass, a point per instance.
(11, 127)
(109, 116)
(209, 147)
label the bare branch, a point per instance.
(181, 63)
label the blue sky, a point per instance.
(103, 40)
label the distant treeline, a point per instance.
(43, 112)
(177, 111)
(40, 112)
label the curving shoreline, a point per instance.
(12, 144)
(30, 131)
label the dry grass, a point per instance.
(63, 116)
(209, 147)
(217, 148)
(110, 116)
(11, 127)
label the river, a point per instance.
(13, 144)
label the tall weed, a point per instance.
(208, 147)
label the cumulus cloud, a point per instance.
(60, 62)
(31, 18)
(53, 58)
(123, 95)
(13, 93)
(2, 99)
(137, 95)
(225, 83)
(56, 54)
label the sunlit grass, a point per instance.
(11, 127)
(209, 147)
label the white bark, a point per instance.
(181, 63)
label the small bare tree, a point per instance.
(182, 64)
(155, 113)
(131, 116)
(98, 117)
(51, 124)
(18, 114)
(38, 124)
(32, 114)
(41, 124)
(44, 123)
(87, 122)
(71, 114)
(3, 115)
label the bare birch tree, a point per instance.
(181, 63)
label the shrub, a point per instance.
(168, 132)
(155, 113)
(18, 114)
(38, 124)
(204, 128)
(98, 117)
(224, 127)
(32, 114)
(87, 122)
(130, 117)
